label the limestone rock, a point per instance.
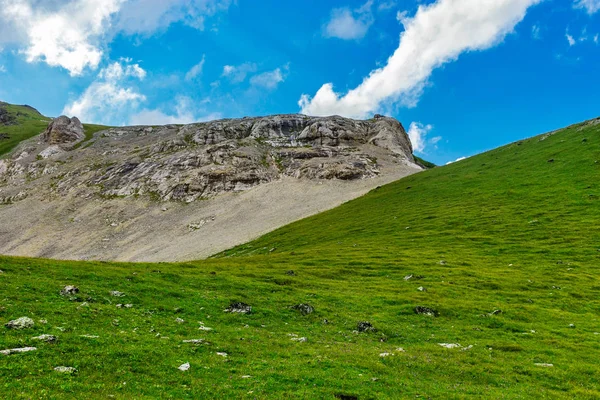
(69, 290)
(64, 131)
(20, 323)
(16, 351)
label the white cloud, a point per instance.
(237, 74)
(457, 160)
(111, 97)
(147, 16)
(436, 35)
(596, 38)
(72, 34)
(2, 69)
(417, 133)
(350, 24)
(195, 70)
(65, 37)
(268, 80)
(590, 6)
(570, 39)
(184, 113)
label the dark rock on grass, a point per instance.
(290, 273)
(421, 310)
(346, 397)
(365, 326)
(20, 323)
(304, 309)
(69, 290)
(239, 307)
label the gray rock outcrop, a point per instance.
(64, 131)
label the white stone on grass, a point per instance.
(184, 367)
(65, 370)
(20, 323)
(16, 351)
(450, 345)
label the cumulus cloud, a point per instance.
(73, 33)
(184, 113)
(590, 6)
(2, 69)
(436, 35)
(195, 70)
(348, 24)
(417, 132)
(65, 35)
(111, 97)
(268, 80)
(570, 39)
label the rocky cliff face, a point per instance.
(199, 161)
(133, 193)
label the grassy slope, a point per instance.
(516, 233)
(29, 124)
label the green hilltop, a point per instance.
(502, 249)
(21, 122)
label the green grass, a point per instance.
(424, 163)
(505, 230)
(29, 123)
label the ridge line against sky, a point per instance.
(99, 53)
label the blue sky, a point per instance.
(463, 76)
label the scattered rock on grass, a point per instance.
(239, 307)
(290, 273)
(221, 354)
(450, 345)
(365, 326)
(16, 351)
(65, 370)
(544, 365)
(204, 328)
(426, 311)
(421, 289)
(179, 320)
(116, 293)
(20, 323)
(46, 338)
(69, 290)
(304, 309)
(184, 367)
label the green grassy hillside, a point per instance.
(19, 123)
(503, 246)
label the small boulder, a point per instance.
(239, 307)
(17, 351)
(116, 293)
(20, 323)
(65, 370)
(426, 311)
(69, 290)
(304, 309)
(365, 326)
(184, 367)
(46, 338)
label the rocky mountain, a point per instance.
(62, 179)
